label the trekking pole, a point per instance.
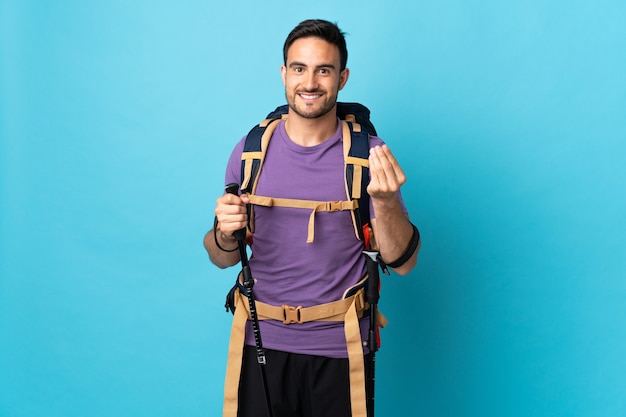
(248, 283)
(372, 296)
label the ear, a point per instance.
(343, 78)
(283, 74)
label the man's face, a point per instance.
(312, 77)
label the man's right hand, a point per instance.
(231, 214)
(220, 243)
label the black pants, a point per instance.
(299, 385)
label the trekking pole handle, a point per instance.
(233, 188)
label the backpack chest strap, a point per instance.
(314, 206)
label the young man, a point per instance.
(307, 366)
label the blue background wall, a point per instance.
(116, 119)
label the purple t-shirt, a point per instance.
(287, 269)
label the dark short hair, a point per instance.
(322, 29)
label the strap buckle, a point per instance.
(332, 206)
(291, 314)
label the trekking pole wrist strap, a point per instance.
(217, 243)
(413, 243)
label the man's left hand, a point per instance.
(386, 175)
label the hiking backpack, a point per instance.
(357, 129)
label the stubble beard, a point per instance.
(308, 112)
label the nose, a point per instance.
(310, 82)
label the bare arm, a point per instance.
(391, 226)
(230, 211)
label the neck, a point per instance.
(310, 132)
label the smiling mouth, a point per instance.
(310, 96)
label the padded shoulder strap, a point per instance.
(356, 154)
(254, 149)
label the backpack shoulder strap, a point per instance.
(356, 153)
(254, 149)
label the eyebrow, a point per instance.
(302, 64)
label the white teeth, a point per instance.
(309, 96)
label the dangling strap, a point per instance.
(235, 358)
(355, 363)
